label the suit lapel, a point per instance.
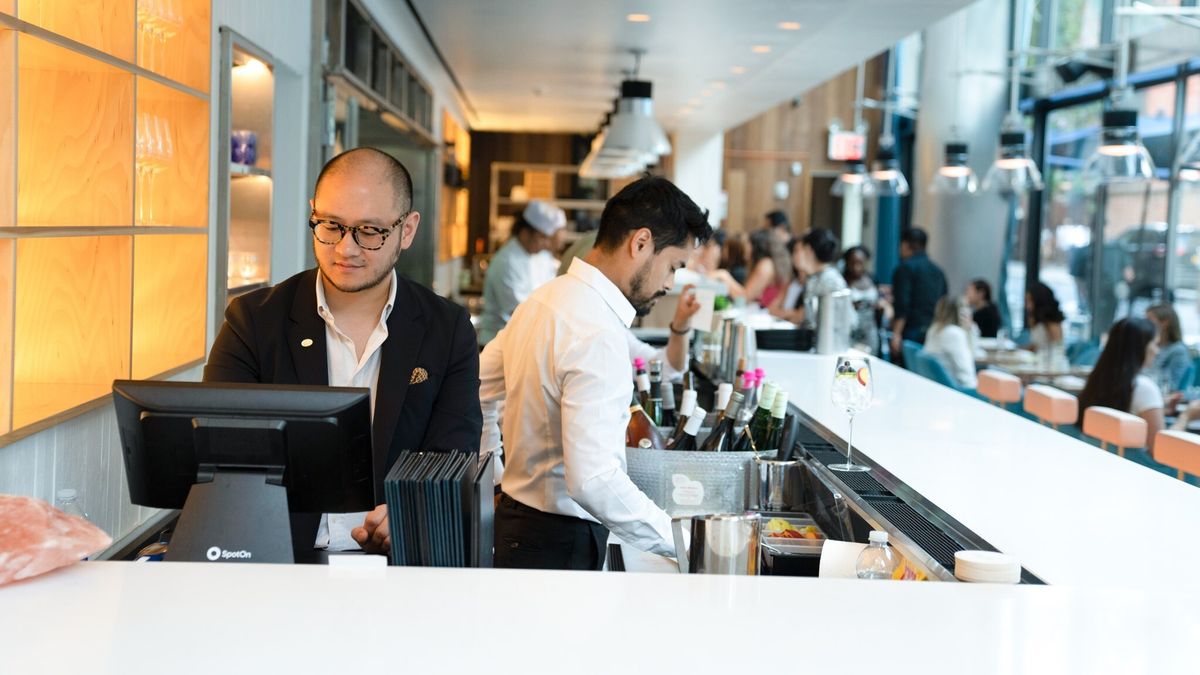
(307, 328)
(406, 331)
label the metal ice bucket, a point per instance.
(720, 544)
(775, 485)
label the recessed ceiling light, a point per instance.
(693, 101)
(706, 92)
(717, 84)
(789, 25)
(737, 70)
(760, 49)
(637, 18)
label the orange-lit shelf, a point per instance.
(107, 25)
(172, 157)
(75, 119)
(6, 333)
(173, 40)
(72, 322)
(87, 295)
(169, 301)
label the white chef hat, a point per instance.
(545, 218)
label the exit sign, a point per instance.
(846, 145)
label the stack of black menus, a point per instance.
(440, 511)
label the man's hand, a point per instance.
(374, 536)
(685, 310)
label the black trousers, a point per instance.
(527, 538)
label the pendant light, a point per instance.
(855, 177)
(954, 177)
(1014, 172)
(1121, 156)
(889, 179)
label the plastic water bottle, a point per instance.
(65, 501)
(878, 560)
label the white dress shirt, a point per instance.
(512, 274)
(649, 352)
(348, 369)
(561, 368)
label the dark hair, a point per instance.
(984, 289)
(1171, 332)
(824, 244)
(654, 203)
(393, 170)
(521, 224)
(1111, 382)
(778, 219)
(916, 238)
(733, 252)
(857, 248)
(1045, 305)
(763, 244)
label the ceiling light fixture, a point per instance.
(760, 49)
(637, 18)
(789, 25)
(1121, 156)
(955, 176)
(855, 177)
(889, 179)
(737, 70)
(1014, 172)
(632, 139)
(717, 84)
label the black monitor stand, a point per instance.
(236, 513)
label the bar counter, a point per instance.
(1070, 512)
(111, 617)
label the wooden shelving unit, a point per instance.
(247, 104)
(103, 199)
(456, 165)
(552, 183)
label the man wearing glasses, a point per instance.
(353, 322)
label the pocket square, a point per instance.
(418, 376)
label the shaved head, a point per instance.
(372, 162)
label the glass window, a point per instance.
(1187, 243)
(1077, 23)
(1068, 213)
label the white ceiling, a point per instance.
(555, 65)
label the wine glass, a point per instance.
(853, 389)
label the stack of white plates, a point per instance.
(987, 567)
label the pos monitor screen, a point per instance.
(237, 458)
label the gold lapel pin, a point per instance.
(418, 376)
(306, 342)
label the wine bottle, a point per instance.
(724, 391)
(778, 415)
(686, 411)
(668, 404)
(689, 381)
(688, 441)
(643, 382)
(749, 400)
(641, 432)
(653, 403)
(721, 438)
(755, 433)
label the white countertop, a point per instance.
(179, 618)
(1070, 512)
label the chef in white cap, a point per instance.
(522, 264)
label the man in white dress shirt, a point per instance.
(561, 371)
(521, 265)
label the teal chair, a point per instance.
(910, 349)
(928, 366)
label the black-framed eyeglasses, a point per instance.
(368, 237)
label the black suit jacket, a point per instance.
(261, 341)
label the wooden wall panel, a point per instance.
(763, 149)
(169, 291)
(183, 55)
(75, 158)
(490, 146)
(107, 25)
(7, 269)
(72, 322)
(8, 128)
(172, 157)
